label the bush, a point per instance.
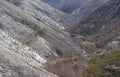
(97, 68)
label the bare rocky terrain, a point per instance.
(28, 43)
(38, 40)
(99, 34)
(102, 26)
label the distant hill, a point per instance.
(77, 8)
(103, 25)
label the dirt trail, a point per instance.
(63, 59)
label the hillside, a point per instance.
(46, 14)
(27, 44)
(103, 25)
(77, 38)
(99, 35)
(89, 7)
(77, 8)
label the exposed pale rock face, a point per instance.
(27, 43)
(18, 60)
(46, 14)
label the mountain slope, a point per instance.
(45, 13)
(77, 8)
(32, 44)
(65, 5)
(99, 33)
(21, 61)
(102, 26)
(89, 7)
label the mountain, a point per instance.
(77, 8)
(46, 14)
(29, 45)
(102, 26)
(89, 7)
(37, 40)
(65, 5)
(99, 35)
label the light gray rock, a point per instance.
(26, 44)
(46, 14)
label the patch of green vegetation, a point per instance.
(97, 65)
(87, 43)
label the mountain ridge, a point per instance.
(78, 8)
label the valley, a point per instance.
(59, 38)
